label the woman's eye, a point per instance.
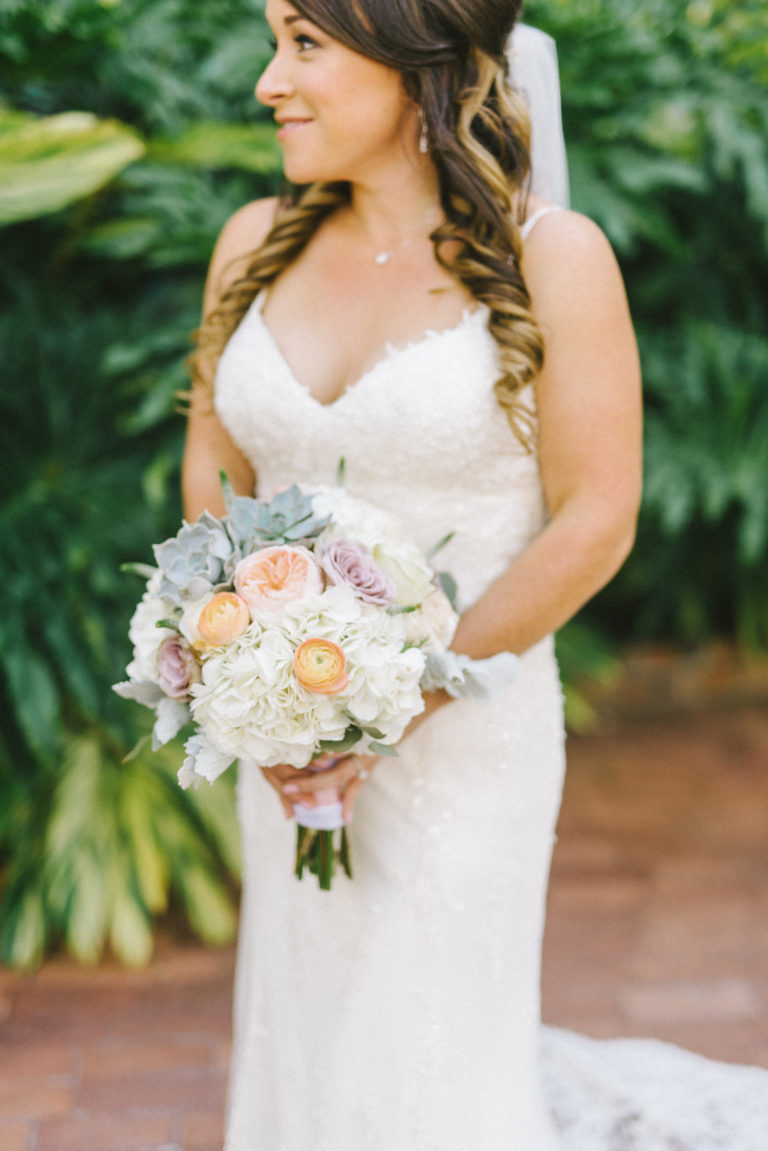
(302, 41)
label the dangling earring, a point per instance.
(423, 134)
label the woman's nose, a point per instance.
(274, 82)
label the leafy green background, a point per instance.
(128, 135)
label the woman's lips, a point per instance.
(288, 127)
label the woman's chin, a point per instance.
(301, 167)
(307, 173)
(300, 174)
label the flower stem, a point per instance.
(317, 852)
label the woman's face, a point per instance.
(341, 115)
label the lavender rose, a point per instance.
(350, 563)
(177, 667)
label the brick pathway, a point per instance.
(657, 926)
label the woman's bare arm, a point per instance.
(589, 405)
(209, 449)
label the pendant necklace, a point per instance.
(382, 258)
(386, 255)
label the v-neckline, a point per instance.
(392, 351)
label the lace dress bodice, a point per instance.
(421, 434)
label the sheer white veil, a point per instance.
(534, 74)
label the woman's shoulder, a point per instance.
(571, 272)
(246, 229)
(561, 246)
(551, 224)
(243, 233)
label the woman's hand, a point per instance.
(302, 785)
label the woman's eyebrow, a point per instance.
(292, 18)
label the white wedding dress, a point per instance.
(400, 1011)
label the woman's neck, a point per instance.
(393, 212)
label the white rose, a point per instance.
(411, 573)
(434, 624)
(189, 617)
(147, 637)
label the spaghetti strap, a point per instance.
(527, 227)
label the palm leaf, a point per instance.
(47, 164)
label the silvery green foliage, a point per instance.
(142, 691)
(203, 762)
(171, 714)
(195, 562)
(286, 519)
(466, 678)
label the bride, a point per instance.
(413, 308)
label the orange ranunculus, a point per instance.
(320, 665)
(270, 578)
(223, 618)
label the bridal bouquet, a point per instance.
(291, 627)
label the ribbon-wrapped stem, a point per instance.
(321, 838)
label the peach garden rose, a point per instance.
(274, 576)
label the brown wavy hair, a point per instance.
(452, 57)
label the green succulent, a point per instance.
(288, 518)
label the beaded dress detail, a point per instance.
(400, 1012)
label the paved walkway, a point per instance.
(658, 925)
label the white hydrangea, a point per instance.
(353, 519)
(250, 704)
